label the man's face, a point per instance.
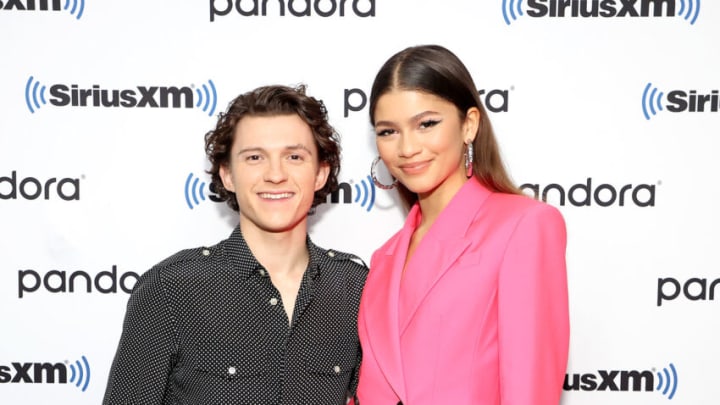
(274, 172)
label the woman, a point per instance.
(467, 303)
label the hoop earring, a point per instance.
(469, 156)
(375, 179)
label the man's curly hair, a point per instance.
(269, 101)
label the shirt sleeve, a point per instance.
(354, 379)
(533, 319)
(145, 354)
(352, 390)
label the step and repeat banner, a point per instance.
(607, 109)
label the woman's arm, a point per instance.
(533, 319)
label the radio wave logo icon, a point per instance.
(80, 373)
(668, 384)
(350, 192)
(194, 188)
(651, 101)
(78, 6)
(511, 9)
(207, 98)
(690, 9)
(34, 94)
(366, 193)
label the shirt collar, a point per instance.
(244, 262)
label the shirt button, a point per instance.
(206, 252)
(336, 369)
(231, 370)
(273, 301)
(262, 272)
(331, 253)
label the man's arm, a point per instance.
(145, 354)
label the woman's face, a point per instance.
(421, 138)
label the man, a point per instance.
(265, 316)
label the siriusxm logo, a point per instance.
(61, 95)
(694, 289)
(47, 373)
(603, 195)
(296, 8)
(364, 193)
(195, 190)
(495, 100)
(686, 9)
(60, 281)
(30, 188)
(74, 7)
(625, 380)
(678, 101)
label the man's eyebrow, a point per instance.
(250, 149)
(298, 146)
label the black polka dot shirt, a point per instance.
(207, 326)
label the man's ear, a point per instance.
(322, 176)
(226, 177)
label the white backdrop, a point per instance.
(585, 101)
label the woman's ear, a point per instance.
(471, 124)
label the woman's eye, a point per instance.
(429, 123)
(384, 132)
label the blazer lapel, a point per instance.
(441, 247)
(433, 261)
(384, 335)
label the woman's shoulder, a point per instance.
(518, 208)
(519, 204)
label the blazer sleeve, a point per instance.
(145, 354)
(533, 318)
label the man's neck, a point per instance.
(285, 257)
(281, 253)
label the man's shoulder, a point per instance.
(337, 258)
(201, 253)
(187, 260)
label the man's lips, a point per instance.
(275, 196)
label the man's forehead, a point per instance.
(274, 132)
(276, 119)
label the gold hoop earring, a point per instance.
(469, 157)
(375, 179)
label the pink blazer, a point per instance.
(482, 315)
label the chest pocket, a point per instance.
(331, 359)
(231, 361)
